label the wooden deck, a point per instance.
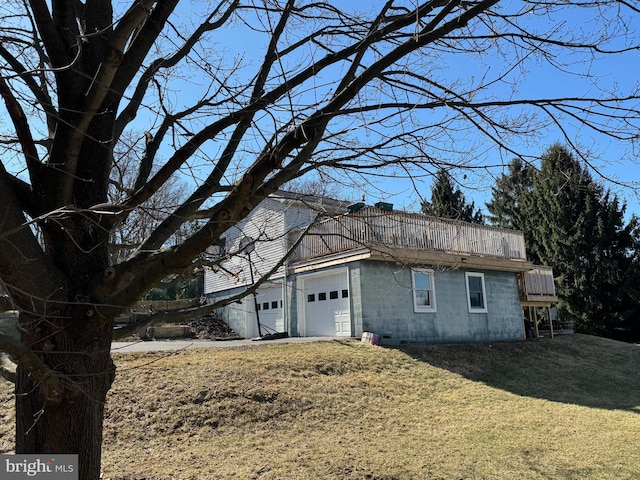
(537, 286)
(415, 238)
(376, 230)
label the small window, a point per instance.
(274, 304)
(424, 296)
(311, 297)
(265, 306)
(476, 295)
(322, 296)
(259, 307)
(333, 295)
(345, 293)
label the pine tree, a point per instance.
(449, 202)
(573, 224)
(508, 194)
(618, 274)
(563, 208)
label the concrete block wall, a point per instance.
(235, 315)
(381, 302)
(291, 314)
(386, 304)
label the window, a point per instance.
(265, 306)
(476, 296)
(424, 294)
(274, 304)
(345, 293)
(333, 295)
(311, 297)
(322, 296)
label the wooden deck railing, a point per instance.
(537, 282)
(371, 227)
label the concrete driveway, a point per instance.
(8, 322)
(160, 345)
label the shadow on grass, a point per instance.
(575, 369)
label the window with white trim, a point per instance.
(424, 294)
(476, 293)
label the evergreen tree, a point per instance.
(573, 224)
(563, 210)
(449, 202)
(618, 274)
(508, 193)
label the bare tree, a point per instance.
(322, 187)
(349, 91)
(136, 227)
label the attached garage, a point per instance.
(270, 310)
(325, 305)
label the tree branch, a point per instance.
(141, 45)
(52, 40)
(187, 314)
(130, 111)
(19, 252)
(49, 380)
(39, 92)
(209, 186)
(21, 125)
(210, 131)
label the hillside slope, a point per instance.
(554, 409)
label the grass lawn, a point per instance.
(554, 409)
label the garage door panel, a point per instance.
(327, 311)
(270, 310)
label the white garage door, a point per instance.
(326, 306)
(270, 310)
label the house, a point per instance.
(357, 268)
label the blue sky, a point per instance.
(613, 159)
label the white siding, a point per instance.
(268, 224)
(297, 216)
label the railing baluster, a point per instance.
(369, 227)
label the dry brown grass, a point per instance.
(341, 410)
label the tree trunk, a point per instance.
(75, 425)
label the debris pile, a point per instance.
(212, 327)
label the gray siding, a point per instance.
(386, 306)
(265, 224)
